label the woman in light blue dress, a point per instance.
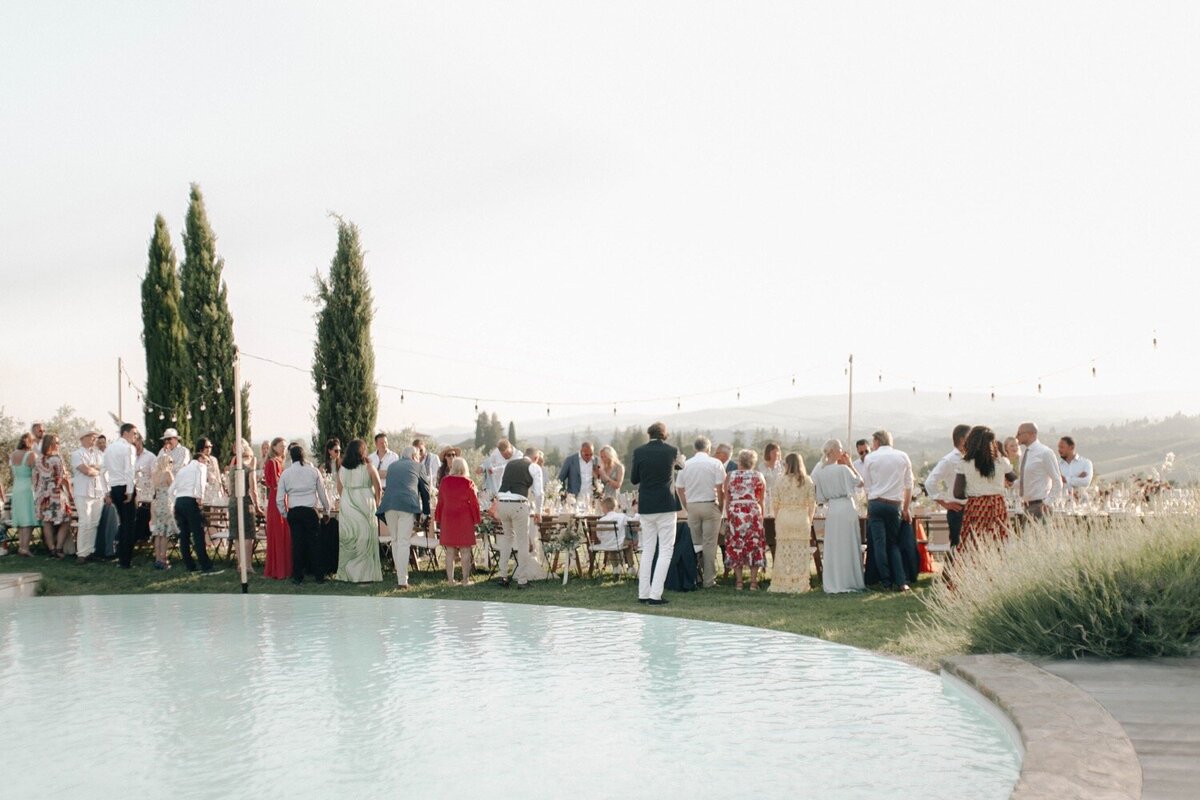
(23, 517)
(358, 527)
(837, 484)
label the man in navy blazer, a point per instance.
(578, 470)
(405, 501)
(653, 472)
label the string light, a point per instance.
(993, 395)
(401, 395)
(323, 386)
(203, 407)
(793, 380)
(1155, 340)
(1093, 369)
(678, 405)
(173, 417)
(188, 415)
(950, 395)
(161, 416)
(881, 376)
(614, 409)
(1039, 386)
(914, 388)
(739, 395)
(547, 411)
(476, 406)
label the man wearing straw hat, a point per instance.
(87, 481)
(171, 446)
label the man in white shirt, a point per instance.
(382, 458)
(119, 460)
(492, 468)
(1076, 470)
(701, 489)
(301, 491)
(188, 490)
(429, 462)
(888, 477)
(1039, 479)
(939, 484)
(171, 446)
(87, 482)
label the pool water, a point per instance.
(280, 696)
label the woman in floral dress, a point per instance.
(795, 501)
(745, 541)
(53, 496)
(162, 509)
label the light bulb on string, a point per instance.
(739, 395)
(203, 406)
(678, 405)
(914, 388)
(188, 415)
(793, 380)
(1154, 341)
(476, 406)
(993, 395)
(220, 389)
(161, 416)
(1093, 369)
(1039, 387)
(547, 411)
(174, 418)
(950, 395)
(614, 409)
(401, 395)
(323, 386)
(881, 377)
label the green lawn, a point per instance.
(874, 620)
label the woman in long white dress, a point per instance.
(836, 485)
(358, 531)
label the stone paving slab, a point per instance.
(1074, 748)
(1157, 702)
(19, 584)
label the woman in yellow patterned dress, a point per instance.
(795, 501)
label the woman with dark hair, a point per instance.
(358, 531)
(794, 502)
(446, 457)
(300, 491)
(981, 481)
(279, 538)
(331, 460)
(24, 518)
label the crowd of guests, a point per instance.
(122, 491)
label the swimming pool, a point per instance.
(286, 696)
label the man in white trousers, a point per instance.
(87, 481)
(653, 472)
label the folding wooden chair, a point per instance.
(604, 538)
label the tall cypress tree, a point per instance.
(164, 338)
(209, 331)
(512, 433)
(344, 358)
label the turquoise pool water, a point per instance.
(279, 696)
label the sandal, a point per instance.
(738, 586)
(754, 587)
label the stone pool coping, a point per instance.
(19, 584)
(1073, 747)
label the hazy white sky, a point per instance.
(573, 201)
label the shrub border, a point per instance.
(1073, 747)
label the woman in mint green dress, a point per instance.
(358, 527)
(23, 517)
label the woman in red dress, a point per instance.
(457, 514)
(745, 539)
(279, 538)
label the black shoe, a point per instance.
(643, 600)
(654, 602)
(297, 581)
(125, 566)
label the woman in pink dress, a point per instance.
(745, 540)
(279, 538)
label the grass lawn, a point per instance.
(873, 620)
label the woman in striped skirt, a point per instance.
(981, 480)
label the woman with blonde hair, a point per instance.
(611, 472)
(745, 540)
(162, 508)
(250, 506)
(457, 514)
(837, 485)
(794, 501)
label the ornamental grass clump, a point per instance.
(1116, 587)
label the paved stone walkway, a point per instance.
(1157, 702)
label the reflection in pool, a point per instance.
(282, 696)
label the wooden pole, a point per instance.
(850, 405)
(239, 472)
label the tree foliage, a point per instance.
(209, 326)
(344, 358)
(164, 338)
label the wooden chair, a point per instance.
(816, 544)
(604, 538)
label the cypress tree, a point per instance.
(512, 433)
(164, 338)
(209, 332)
(344, 358)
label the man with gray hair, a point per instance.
(701, 488)
(492, 468)
(888, 478)
(724, 454)
(405, 500)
